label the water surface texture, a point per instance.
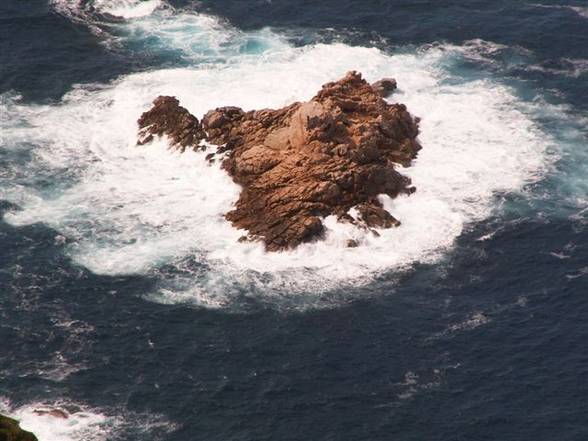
(126, 299)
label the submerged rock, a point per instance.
(306, 161)
(55, 413)
(11, 431)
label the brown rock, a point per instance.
(374, 215)
(352, 243)
(55, 413)
(385, 87)
(305, 161)
(167, 117)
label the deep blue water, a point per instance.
(490, 342)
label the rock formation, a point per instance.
(55, 413)
(167, 117)
(11, 431)
(385, 87)
(306, 161)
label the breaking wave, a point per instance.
(91, 10)
(582, 11)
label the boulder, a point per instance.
(385, 87)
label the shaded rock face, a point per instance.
(306, 161)
(168, 118)
(385, 86)
(11, 431)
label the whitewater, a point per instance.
(84, 423)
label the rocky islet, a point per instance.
(306, 161)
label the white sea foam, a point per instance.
(154, 26)
(582, 11)
(569, 67)
(131, 210)
(82, 9)
(413, 384)
(83, 423)
(78, 11)
(198, 38)
(128, 8)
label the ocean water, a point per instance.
(126, 300)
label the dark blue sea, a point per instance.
(127, 302)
